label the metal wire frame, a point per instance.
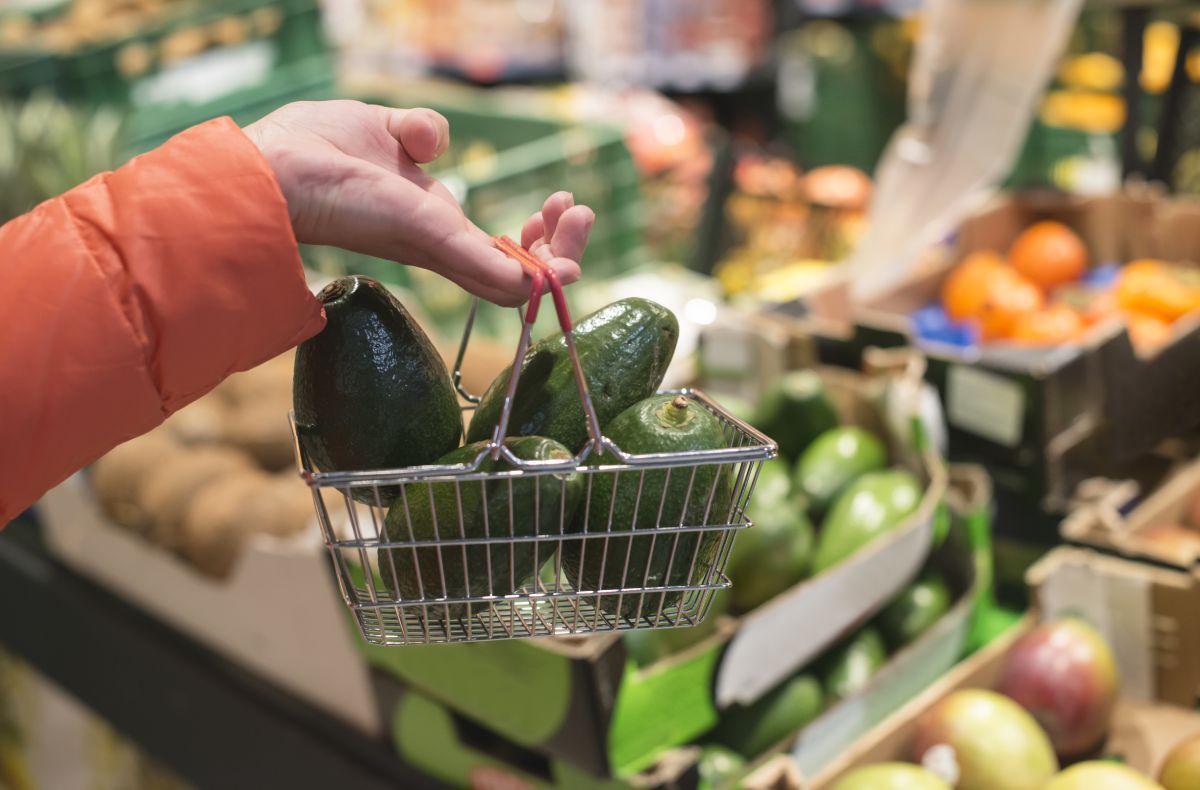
(537, 569)
(413, 571)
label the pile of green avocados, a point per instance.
(371, 392)
(830, 475)
(746, 732)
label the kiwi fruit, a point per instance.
(215, 526)
(119, 476)
(286, 506)
(170, 488)
(260, 428)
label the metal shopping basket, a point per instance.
(508, 558)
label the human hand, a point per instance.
(349, 172)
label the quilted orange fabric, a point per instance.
(134, 294)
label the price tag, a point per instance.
(985, 404)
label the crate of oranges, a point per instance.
(1061, 331)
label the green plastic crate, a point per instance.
(91, 73)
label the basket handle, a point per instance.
(542, 275)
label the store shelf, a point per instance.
(209, 721)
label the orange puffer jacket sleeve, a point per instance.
(134, 294)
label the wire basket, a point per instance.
(519, 548)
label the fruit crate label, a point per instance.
(985, 404)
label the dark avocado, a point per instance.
(370, 391)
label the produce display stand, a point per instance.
(209, 720)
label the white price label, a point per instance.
(985, 404)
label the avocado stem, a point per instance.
(675, 413)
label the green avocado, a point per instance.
(774, 553)
(846, 670)
(872, 505)
(739, 407)
(644, 499)
(795, 411)
(914, 610)
(624, 350)
(752, 729)
(833, 461)
(370, 391)
(431, 510)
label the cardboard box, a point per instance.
(279, 613)
(1111, 518)
(1141, 733)
(1040, 419)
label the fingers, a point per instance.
(558, 234)
(570, 237)
(424, 134)
(533, 230)
(552, 209)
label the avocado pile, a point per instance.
(840, 672)
(829, 494)
(371, 392)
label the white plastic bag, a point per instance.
(979, 71)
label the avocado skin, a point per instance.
(370, 391)
(639, 430)
(848, 668)
(833, 461)
(624, 350)
(917, 608)
(874, 504)
(512, 565)
(795, 411)
(752, 729)
(775, 552)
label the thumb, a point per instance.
(423, 134)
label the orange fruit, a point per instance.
(1010, 296)
(1049, 254)
(1151, 287)
(1147, 332)
(1051, 326)
(1103, 305)
(965, 290)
